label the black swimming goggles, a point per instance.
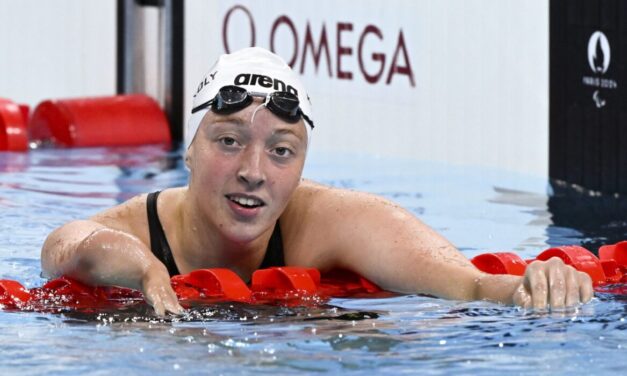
(233, 98)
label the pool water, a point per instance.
(479, 210)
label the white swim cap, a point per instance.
(254, 69)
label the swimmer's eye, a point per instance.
(228, 141)
(283, 152)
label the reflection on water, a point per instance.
(479, 210)
(590, 220)
(571, 215)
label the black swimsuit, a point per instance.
(161, 249)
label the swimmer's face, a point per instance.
(243, 174)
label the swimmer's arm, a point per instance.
(95, 254)
(386, 244)
(98, 255)
(394, 249)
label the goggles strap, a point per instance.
(252, 118)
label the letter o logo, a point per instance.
(290, 24)
(225, 27)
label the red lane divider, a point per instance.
(13, 120)
(281, 285)
(609, 268)
(294, 285)
(121, 120)
(13, 294)
(579, 258)
(287, 278)
(616, 252)
(220, 284)
(500, 263)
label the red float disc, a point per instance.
(500, 263)
(13, 136)
(580, 258)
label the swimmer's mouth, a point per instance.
(246, 201)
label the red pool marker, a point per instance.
(13, 294)
(122, 120)
(613, 272)
(580, 258)
(500, 263)
(13, 134)
(293, 285)
(286, 278)
(221, 284)
(611, 268)
(616, 253)
(339, 283)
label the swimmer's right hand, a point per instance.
(158, 292)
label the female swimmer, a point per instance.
(246, 207)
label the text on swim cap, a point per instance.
(263, 81)
(206, 82)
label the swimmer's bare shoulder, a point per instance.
(129, 216)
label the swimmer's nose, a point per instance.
(251, 172)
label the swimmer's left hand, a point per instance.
(552, 284)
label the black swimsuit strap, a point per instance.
(158, 242)
(161, 248)
(274, 253)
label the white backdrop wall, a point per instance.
(57, 48)
(462, 81)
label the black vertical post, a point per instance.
(177, 69)
(123, 21)
(588, 94)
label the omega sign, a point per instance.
(329, 47)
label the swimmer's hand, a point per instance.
(158, 292)
(547, 284)
(552, 283)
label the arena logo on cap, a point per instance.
(317, 48)
(599, 57)
(263, 81)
